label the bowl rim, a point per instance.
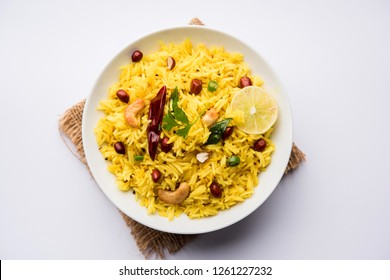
(190, 230)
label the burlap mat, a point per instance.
(150, 242)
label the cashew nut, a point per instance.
(175, 197)
(132, 110)
(210, 117)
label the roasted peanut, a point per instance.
(156, 175)
(119, 148)
(228, 132)
(244, 82)
(215, 190)
(137, 56)
(196, 86)
(260, 145)
(123, 96)
(165, 146)
(171, 62)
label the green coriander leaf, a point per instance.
(177, 117)
(183, 132)
(174, 100)
(169, 122)
(175, 96)
(178, 113)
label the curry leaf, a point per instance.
(220, 127)
(213, 139)
(217, 131)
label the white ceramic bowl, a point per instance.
(282, 135)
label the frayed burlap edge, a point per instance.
(296, 158)
(70, 124)
(149, 241)
(153, 242)
(195, 21)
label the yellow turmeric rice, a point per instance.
(133, 169)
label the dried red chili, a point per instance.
(156, 112)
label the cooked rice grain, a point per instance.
(143, 80)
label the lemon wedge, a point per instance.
(258, 109)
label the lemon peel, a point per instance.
(255, 109)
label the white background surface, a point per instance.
(334, 59)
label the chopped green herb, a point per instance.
(183, 132)
(177, 117)
(233, 161)
(212, 86)
(179, 114)
(169, 121)
(138, 157)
